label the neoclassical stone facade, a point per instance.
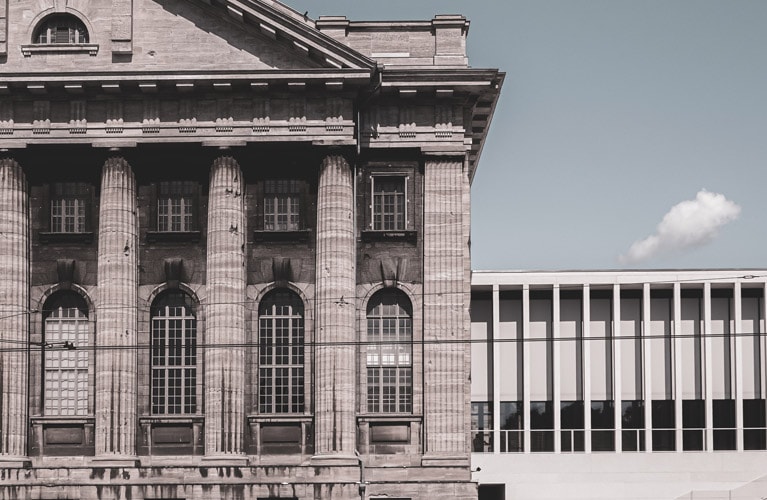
(234, 251)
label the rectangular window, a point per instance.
(724, 424)
(281, 354)
(512, 434)
(389, 355)
(663, 425)
(389, 203)
(603, 417)
(632, 418)
(481, 426)
(282, 205)
(174, 361)
(66, 370)
(176, 206)
(571, 413)
(693, 424)
(542, 425)
(754, 424)
(69, 204)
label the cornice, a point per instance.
(302, 33)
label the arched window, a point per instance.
(281, 353)
(389, 353)
(66, 353)
(174, 354)
(60, 29)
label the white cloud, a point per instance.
(688, 224)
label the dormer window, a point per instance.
(61, 29)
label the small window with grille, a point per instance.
(388, 207)
(61, 29)
(282, 205)
(69, 207)
(176, 207)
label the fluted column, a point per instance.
(225, 312)
(14, 306)
(445, 318)
(116, 328)
(335, 331)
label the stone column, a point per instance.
(335, 322)
(445, 315)
(14, 310)
(225, 313)
(116, 328)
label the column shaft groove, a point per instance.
(335, 330)
(117, 325)
(225, 311)
(445, 319)
(14, 309)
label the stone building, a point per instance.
(234, 251)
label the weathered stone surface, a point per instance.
(225, 318)
(171, 83)
(445, 320)
(335, 326)
(14, 309)
(116, 330)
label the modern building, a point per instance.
(234, 251)
(619, 384)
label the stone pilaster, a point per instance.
(335, 327)
(14, 307)
(116, 328)
(445, 319)
(225, 312)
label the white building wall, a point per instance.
(647, 336)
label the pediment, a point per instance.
(289, 29)
(179, 35)
(236, 34)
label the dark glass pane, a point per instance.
(602, 415)
(754, 439)
(664, 440)
(693, 414)
(632, 414)
(512, 441)
(541, 415)
(572, 414)
(724, 413)
(541, 440)
(572, 440)
(633, 440)
(692, 440)
(724, 439)
(602, 441)
(663, 435)
(663, 414)
(754, 413)
(511, 415)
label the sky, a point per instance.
(630, 134)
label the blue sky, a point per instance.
(629, 134)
